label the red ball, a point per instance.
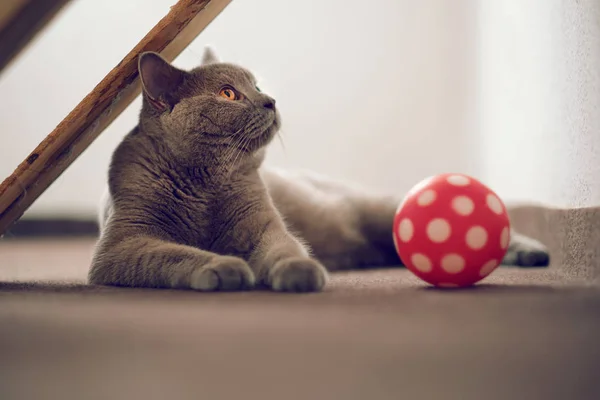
(451, 230)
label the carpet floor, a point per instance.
(381, 334)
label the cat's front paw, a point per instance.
(297, 275)
(223, 273)
(526, 252)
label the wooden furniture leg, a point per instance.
(21, 21)
(99, 108)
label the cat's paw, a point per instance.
(524, 251)
(223, 273)
(297, 275)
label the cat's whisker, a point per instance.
(240, 151)
(250, 126)
(280, 137)
(236, 150)
(243, 146)
(233, 145)
(231, 153)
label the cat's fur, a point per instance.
(189, 205)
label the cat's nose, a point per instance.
(269, 103)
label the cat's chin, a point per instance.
(258, 142)
(261, 137)
(268, 135)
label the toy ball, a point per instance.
(451, 230)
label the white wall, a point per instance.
(383, 94)
(539, 99)
(374, 94)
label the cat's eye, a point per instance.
(229, 94)
(258, 89)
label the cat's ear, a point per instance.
(210, 56)
(159, 80)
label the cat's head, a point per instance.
(213, 111)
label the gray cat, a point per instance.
(189, 205)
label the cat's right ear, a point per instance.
(210, 56)
(159, 79)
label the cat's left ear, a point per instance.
(160, 80)
(210, 56)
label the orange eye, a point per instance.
(229, 94)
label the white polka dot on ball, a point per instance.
(476, 237)
(504, 238)
(453, 263)
(426, 198)
(406, 230)
(421, 262)
(463, 205)
(488, 268)
(458, 180)
(494, 203)
(438, 230)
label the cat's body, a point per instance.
(190, 205)
(344, 227)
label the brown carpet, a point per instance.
(521, 334)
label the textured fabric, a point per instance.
(371, 335)
(572, 235)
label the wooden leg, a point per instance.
(21, 21)
(99, 108)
